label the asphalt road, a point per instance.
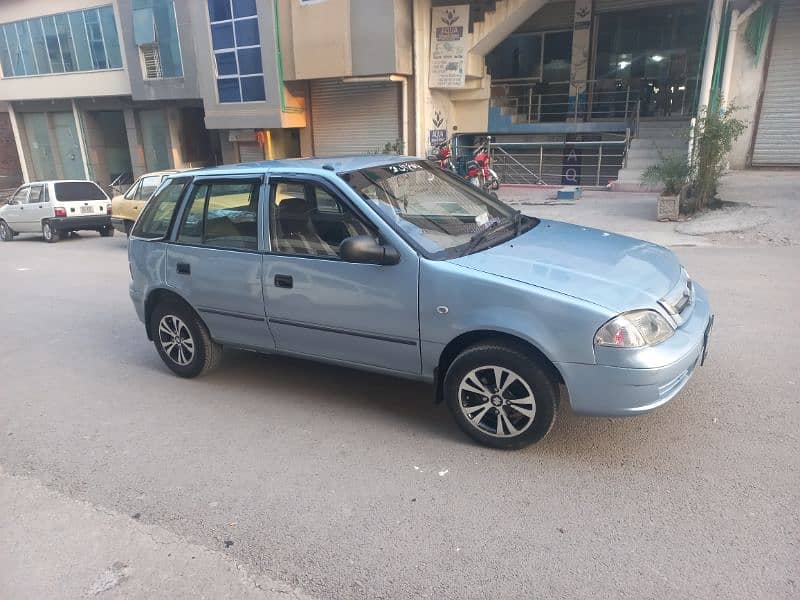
(352, 485)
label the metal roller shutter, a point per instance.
(250, 152)
(354, 118)
(778, 136)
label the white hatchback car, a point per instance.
(56, 208)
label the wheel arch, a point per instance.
(471, 338)
(159, 295)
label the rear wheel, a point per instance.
(106, 231)
(6, 235)
(500, 396)
(51, 236)
(182, 340)
(128, 227)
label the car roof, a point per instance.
(59, 181)
(163, 172)
(327, 164)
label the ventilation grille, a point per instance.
(151, 61)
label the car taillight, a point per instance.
(108, 209)
(60, 212)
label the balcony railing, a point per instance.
(528, 100)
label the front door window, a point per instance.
(307, 220)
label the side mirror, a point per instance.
(13, 202)
(364, 249)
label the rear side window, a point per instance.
(75, 191)
(154, 222)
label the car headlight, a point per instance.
(634, 329)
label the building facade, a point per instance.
(109, 89)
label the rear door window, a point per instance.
(154, 222)
(78, 191)
(147, 187)
(36, 194)
(222, 214)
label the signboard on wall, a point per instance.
(449, 28)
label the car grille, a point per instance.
(679, 299)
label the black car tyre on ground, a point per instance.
(50, 235)
(6, 235)
(182, 340)
(501, 396)
(106, 231)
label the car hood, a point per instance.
(611, 270)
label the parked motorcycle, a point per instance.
(443, 156)
(479, 171)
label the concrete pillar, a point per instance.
(134, 143)
(711, 52)
(581, 50)
(81, 139)
(175, 147)
(20, 143)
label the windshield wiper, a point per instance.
(480, 236)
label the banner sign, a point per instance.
(571, 166)
(449, 29)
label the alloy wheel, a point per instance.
(47, 232)
(497, 401)
(176, 340)
(5, 232)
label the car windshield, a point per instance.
(76, 191)
(439, 214)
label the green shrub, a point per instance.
(672, 171)
(715, 130)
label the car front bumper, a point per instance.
(80, 223)
(611, 390)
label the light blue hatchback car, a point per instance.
(394, 265)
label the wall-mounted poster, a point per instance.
(449, 29)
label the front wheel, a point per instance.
(182, 340)
(500, 396)
(6, 235)
(50, 235)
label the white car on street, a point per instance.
(55, 209)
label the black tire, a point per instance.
(6, 235)
(107, 231)
(206, 353)
(128, 227)
(50, 235)
(482, 425)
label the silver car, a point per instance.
(396, 266)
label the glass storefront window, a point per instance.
(652, 54)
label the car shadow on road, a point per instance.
(392, 403)
(345, 392)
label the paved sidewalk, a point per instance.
(56, 547)
(762, 208)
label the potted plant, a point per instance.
(672, 172)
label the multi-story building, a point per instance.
(103, 88)
(128, 86)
